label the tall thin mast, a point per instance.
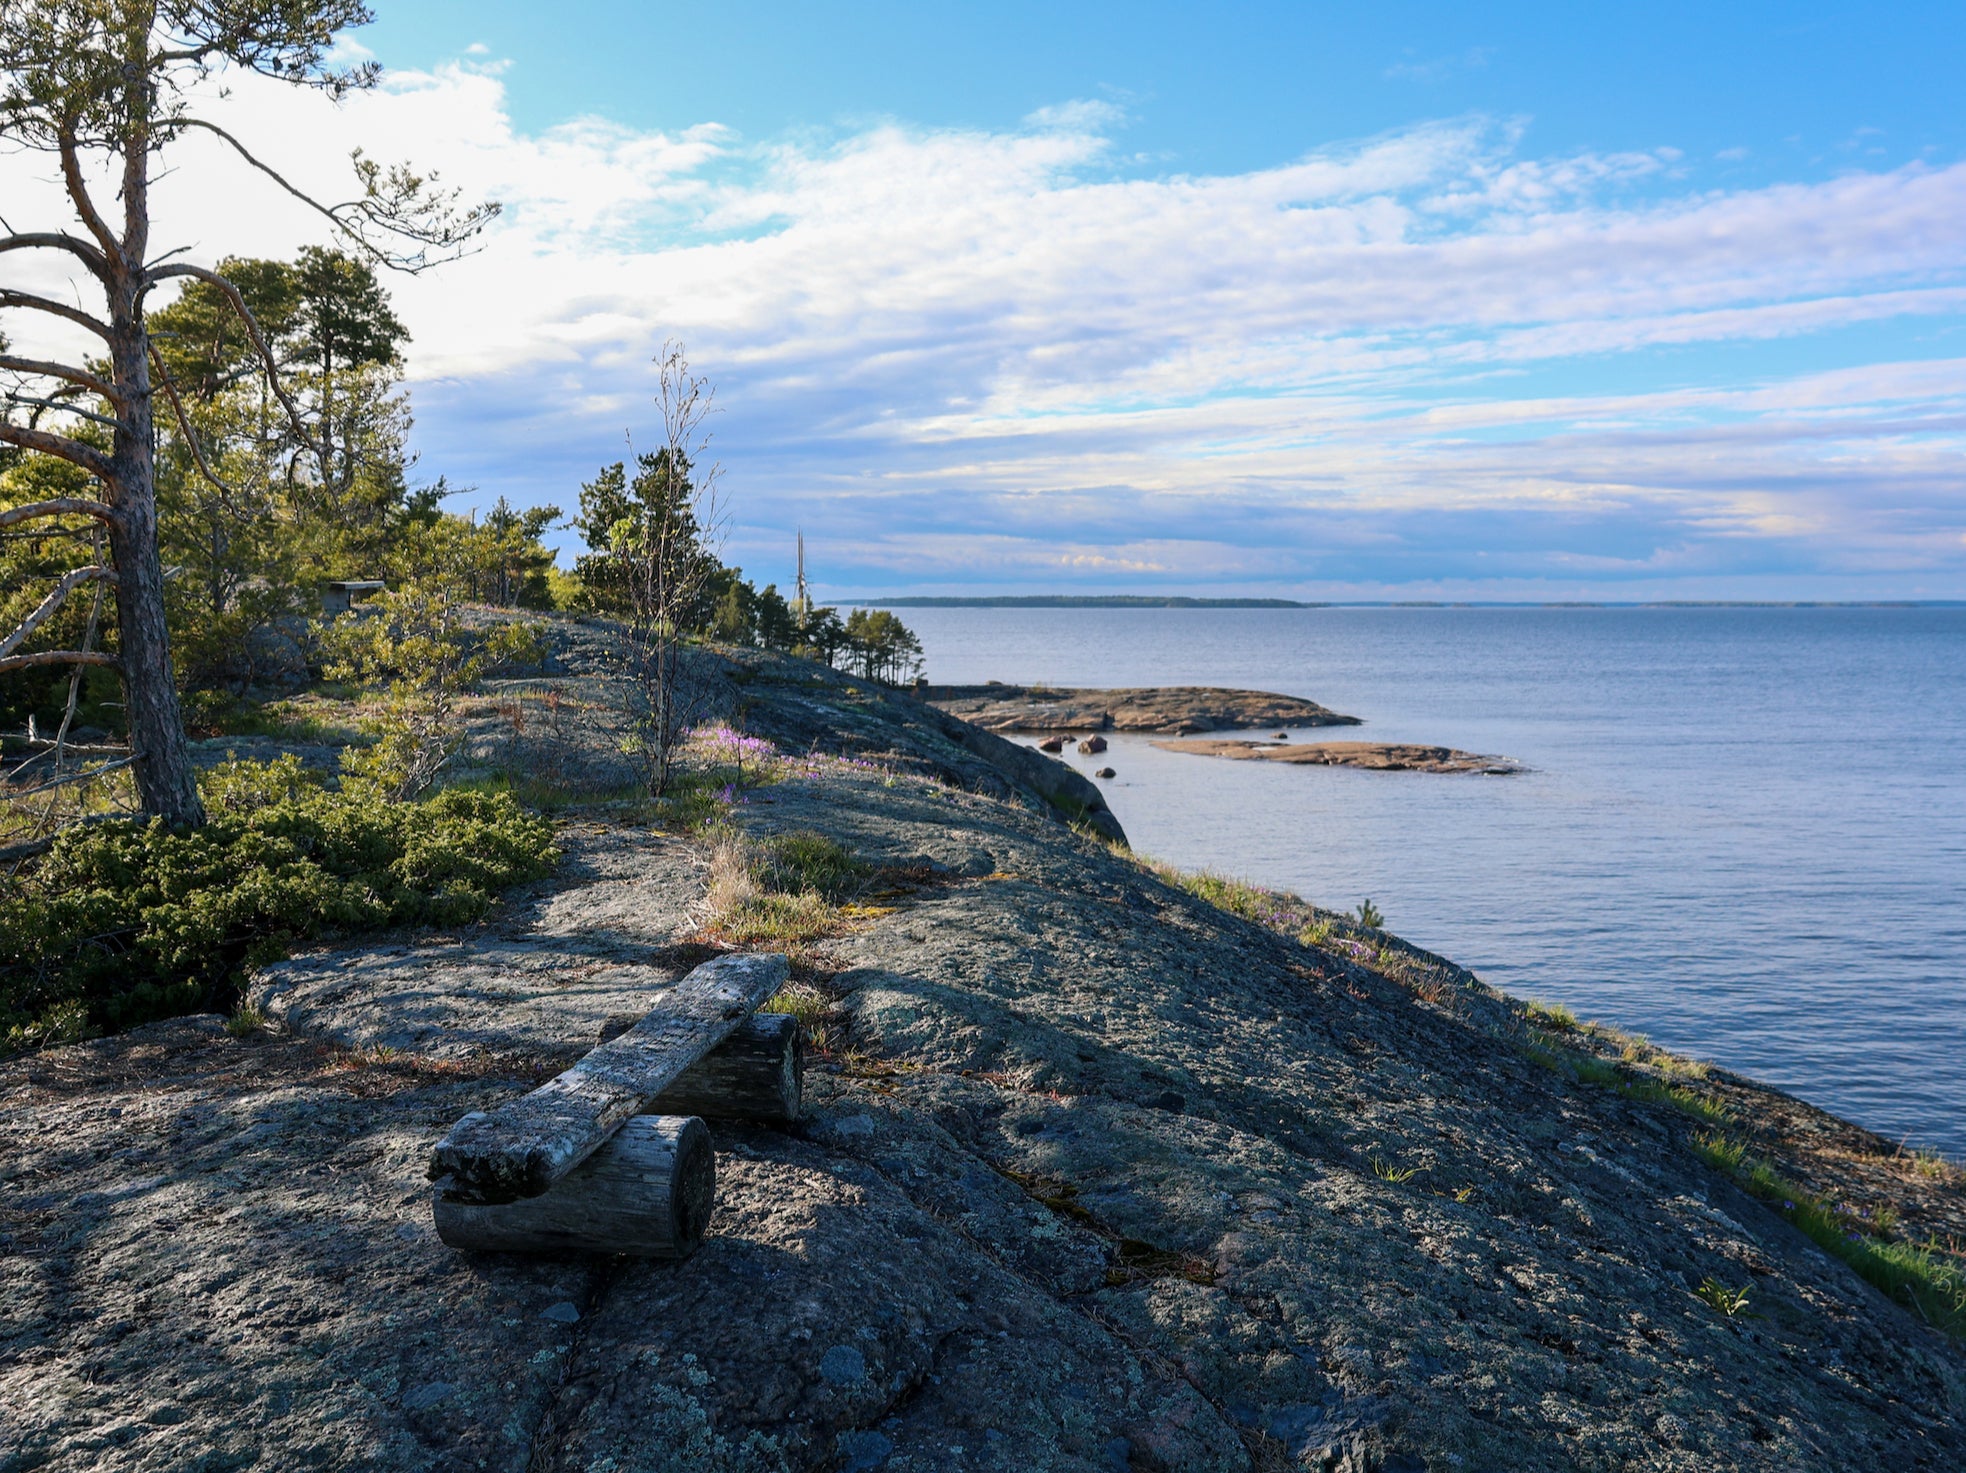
(804, 598)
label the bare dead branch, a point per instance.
(41, 746)
(57, 657)
(81, 377)
(57, 596)
(28, 301)
(74, 691)
(66, 506)
(78, 194)
(89, 414)
(190, 435)
(68, 779)
(61, 447)
(53, 240)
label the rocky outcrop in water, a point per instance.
(1371, 756)
(1172, 710)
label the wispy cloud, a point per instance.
(968, 356)
(1439, 68)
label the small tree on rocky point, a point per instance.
(105, 88)
(662, 551)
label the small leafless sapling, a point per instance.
(667, 549)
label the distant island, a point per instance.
(1081, 601)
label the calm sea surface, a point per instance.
(1744, 834)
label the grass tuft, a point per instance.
(1585, 1067)
(1552, 1015)
(1933, 1167)
(1729, 1302)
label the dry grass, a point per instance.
(789, 890)
(733, 881)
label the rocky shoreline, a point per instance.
(1370, 756)
(1104, 1169)
(1172, 710)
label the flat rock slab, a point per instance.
(219, 1254)
(1372, 756)
(538, 981)
(1171, 709)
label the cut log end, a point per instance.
(649, 1192)
(693, 1194)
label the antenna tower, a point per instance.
(804, 598)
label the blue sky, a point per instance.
(1400, 301)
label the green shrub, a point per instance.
(125, 922)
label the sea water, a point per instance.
(1743, 830)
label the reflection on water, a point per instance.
(1744, 834)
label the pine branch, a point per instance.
(394, 201)
(65, 506)
(61, 447)
(51, 240)
(28, 301)
(44, 369)
(89, 414)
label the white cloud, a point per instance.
(958, 338)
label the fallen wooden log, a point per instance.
(523, 1146)
(647, 1192)
(758, 1073)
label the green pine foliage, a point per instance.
(124, 922)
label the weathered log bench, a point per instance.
(611, 1154)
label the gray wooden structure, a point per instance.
(570, 1165)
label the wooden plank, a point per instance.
(522, 1147)
(648, 1191)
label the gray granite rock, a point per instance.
(1097, 1177)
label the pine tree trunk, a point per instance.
(166, 783)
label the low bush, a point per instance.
(124, 922)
